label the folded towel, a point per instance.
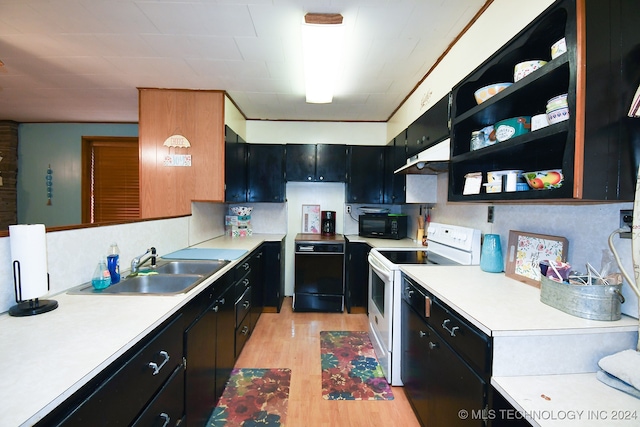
(612, 381)
(624, 365)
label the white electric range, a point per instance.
(447, 245)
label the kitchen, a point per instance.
(588, 236)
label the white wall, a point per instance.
(290, 132)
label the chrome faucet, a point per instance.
(138, 261)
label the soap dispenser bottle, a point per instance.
(113, 263)
(101, 278)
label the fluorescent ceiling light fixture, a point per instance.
(322, 43)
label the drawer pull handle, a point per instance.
(246, 304)
(166, 418)
(215, 308)
(246, 283)
(451, 331)
(245, 330)
(409, 293)
(155, 367)
(422, 334)
(221, 301)
(246, 266)
(433, 345)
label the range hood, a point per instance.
(431, 161)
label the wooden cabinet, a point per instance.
(430, 128)
(273, 275)
(209, 349)
(266, 182)
(316, 162)
(154, 366)
(365, 174)
(395, 156)
(235, 167)
(593, 147)
(198, 116)
(357, 276)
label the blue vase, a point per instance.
(491, 255)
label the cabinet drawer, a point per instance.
(243, 306)
(242, 269)
(241, 286)
(121, 397)
(242, 335)
(471, 343)
(167, 408)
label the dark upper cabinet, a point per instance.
(599, 72)
(365, 174)
(266, 173)
(235, 167)
(316, 162)
(430, 128)
(395, 156)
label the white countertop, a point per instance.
(578, 400)
(530, 337)
(44, 359)
(498, 305)
(385, 243)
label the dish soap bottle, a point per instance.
(101, 278)
(113, 263)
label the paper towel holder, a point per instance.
(30, 307)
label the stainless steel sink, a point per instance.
(168, 278)
(204, 268)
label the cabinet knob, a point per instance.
(321, 178)
(221, 301)
(245, 330)
(166, 418)
(433, 345)
(246, 283)
(246, 304)
(309, 178)
(215, 308)
(422, 334)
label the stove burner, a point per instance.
(415, 257)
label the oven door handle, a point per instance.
(380, 270)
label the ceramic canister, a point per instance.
(491, 254)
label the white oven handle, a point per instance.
(379, 269)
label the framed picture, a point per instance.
(311, 219)
(526, 250)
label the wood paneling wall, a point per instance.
(9, 174)
(198, 115)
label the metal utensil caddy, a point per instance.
(595, 302)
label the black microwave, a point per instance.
(383, 226)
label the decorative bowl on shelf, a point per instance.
(544, 180)
(557, 102)
(487, 92)
(557, 116)
(241, 210)
(509, 128)
(525, 68)
(558, 48)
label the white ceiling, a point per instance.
(82, 60)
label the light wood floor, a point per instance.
(292, 340)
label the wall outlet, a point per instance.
(626, 220)
(490, 214)
(348, 209)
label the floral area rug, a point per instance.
(253, 397)
(350, 369)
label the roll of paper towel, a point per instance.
(29, 248)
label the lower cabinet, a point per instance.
(209, 355)
(438, 363)
(154, 366)
(357, 275)
(273, 275)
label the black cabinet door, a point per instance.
(273, 264)
(257, 286)
(395, 156)
(331, 162)
(357, 275)
(301, 162)
(225, 340)
(430, 128)
(365, 171)
(235, 172)
(266, 173)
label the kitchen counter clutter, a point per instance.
(544, 360)
(48, 357)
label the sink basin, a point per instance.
(173, 277)
(204, 268)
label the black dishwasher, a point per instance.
(319, 273)
(446, 362)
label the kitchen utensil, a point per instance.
(525, 68)
(488, 91)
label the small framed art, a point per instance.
(311, 219)
(526, 250)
